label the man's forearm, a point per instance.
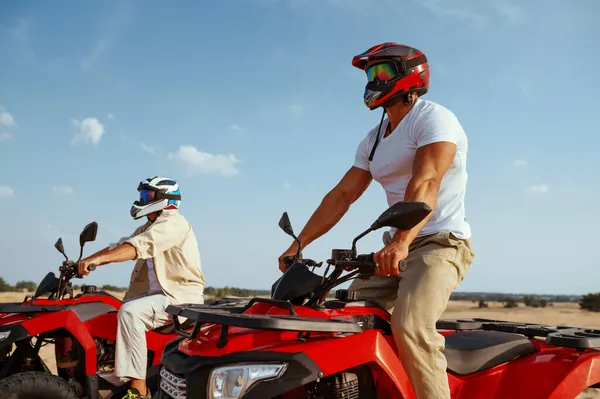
(122, 253)
(333, 207)
(422, 190)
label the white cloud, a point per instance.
(6, 192)
(203, 163)
(6, 119)
(111, 30)
(150, 150)
(519, 162)
(541, 188)
(62, 190)
(237, 128)
(111, 117)
(296, 109)
(89, 130)
(5, 136)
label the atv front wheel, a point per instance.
(35, 385)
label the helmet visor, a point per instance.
(382, 72)
(146, 196)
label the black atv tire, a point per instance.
(35, 385)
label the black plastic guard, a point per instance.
(20, 308)
(16, 333)
(301, 370)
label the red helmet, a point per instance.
(393, 70)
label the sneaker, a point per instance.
(133, 393)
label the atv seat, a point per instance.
(169, 328)
(472, 351)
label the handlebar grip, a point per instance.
(288, 260)
(92, 267)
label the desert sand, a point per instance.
(561, 314)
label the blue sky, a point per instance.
(254, 107)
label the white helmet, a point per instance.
(156, 194)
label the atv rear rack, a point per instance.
(203, 314)
(568, 337)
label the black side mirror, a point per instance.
(88, 234)
(286, 225)
(403, 215)
(60, 248)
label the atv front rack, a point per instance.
(203, 314)
(19, 307)
(568, 337)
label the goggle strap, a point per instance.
(414, 62)
(168, 196)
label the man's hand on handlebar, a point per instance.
(389, 258)
(85, 266)
(286, 258)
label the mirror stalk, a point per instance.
(358, 237)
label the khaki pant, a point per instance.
(135, 317)
(417, 297)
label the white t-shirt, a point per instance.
(426, 123)
(154, 286)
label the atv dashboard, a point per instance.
(569, 337)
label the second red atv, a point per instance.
(83, 329)
(299, 345)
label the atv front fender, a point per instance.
(301, 370)
(307, 362)
(68, 320)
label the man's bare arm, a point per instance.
(335, 204)
(431, 163)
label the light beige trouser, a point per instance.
(417, 297)
(135, 317)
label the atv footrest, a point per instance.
(259, 322)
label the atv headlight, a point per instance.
(4, 335)
(232, 382)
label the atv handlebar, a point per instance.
(290, 260)
(363, 263)
(73, 268)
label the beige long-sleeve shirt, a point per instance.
(171, 244)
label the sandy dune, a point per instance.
(562, 314)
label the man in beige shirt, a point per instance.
(167, 271)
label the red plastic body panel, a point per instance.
(549, 373)
(103, 326)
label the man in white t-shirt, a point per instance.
(418, 153)
(167, 271)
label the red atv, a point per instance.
(299, 345)
(83, 329)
